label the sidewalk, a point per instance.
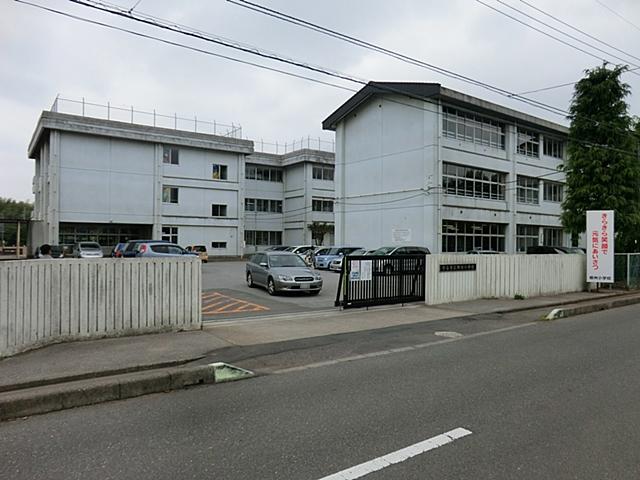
(72, 362)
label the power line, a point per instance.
(399, 56)
(619, 16)
(182, 45)
(577, 29)
(326, 72)
(501, 12)
(548, 88)
(564, 33)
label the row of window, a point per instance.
(321, 205)
(267, 174)
(170, 234)
(479, 183)
(323, 173)
(262, 237)
(461, 236)
(262, 205)
(473, 128)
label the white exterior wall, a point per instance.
(389, 163)
(499, 276)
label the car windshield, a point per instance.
(89, 246)
(333, 251)
(199, 248)
(286, 261)
(383, 251)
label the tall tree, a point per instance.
(14, 210)
(603, 167)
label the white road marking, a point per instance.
(399, 455)
(448, 334)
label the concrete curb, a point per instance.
(50, 398)
(557, 313)
(565, 302)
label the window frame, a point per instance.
(170, 155)
(527, 143)
(171, 199)
(170, 234)
(553, 192)
(223, 172)
(220, 207)
(527, 190)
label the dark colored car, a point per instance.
(404, 250)
(131, 247)
(117, 250)
(544, 250)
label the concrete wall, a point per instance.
(503, 276)
(49, 301)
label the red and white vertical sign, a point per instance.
(600, 236)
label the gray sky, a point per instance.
(43, 54)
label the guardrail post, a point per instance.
(628, 271)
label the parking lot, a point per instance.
(226, 295)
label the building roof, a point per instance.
(435, 91)
(131, 131)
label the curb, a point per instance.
(33, 401)
(557, 313)
(566, 302)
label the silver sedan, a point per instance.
(282, 272)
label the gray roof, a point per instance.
(435, 91)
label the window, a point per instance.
(267, 174)
(170, 156)
(260, 237)
(169, 194)
(321, 205)
(553, 148)
(472, 128)
(552, 237)
(473, 182)
(528, 190)
(460, 236)
(218, 244)
(527, 236)
(218, 210)
(170, 234)
(323, 173)
(262, 205)
(553, 192)
(218, 172)
(528, 143)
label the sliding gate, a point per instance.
(379, 280)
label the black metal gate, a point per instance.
(379, 280)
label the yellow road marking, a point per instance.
(214, 303)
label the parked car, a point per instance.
(56, 252)
(300, 249)
(574, 250)
(161, 249)
(482, 252)
(277, 248)
(87, 250)
(336, 265)
(324, 260)
(401, 250)
(281, 272)
(117, 250)
(310, 256)
(544, 250)
(131, 247)
(200, 250)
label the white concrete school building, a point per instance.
(419, 164)
(110, 181)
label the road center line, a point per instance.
(399, 455)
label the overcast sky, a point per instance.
(43, 54)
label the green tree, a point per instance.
(603, 167)
(13, 210)
(319, 230)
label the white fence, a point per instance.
(498, 276)
(49, 301)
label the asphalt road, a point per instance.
(555, 400)
(226, 295)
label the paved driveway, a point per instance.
(226, 295)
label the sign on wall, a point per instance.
(600, 252)
(400, 235)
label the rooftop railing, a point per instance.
(141, 117)
(309, 142)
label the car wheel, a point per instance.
(271, 287)
(250, 283)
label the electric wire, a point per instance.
(618, 15)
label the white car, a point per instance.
(87, 250)
(336, 265)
